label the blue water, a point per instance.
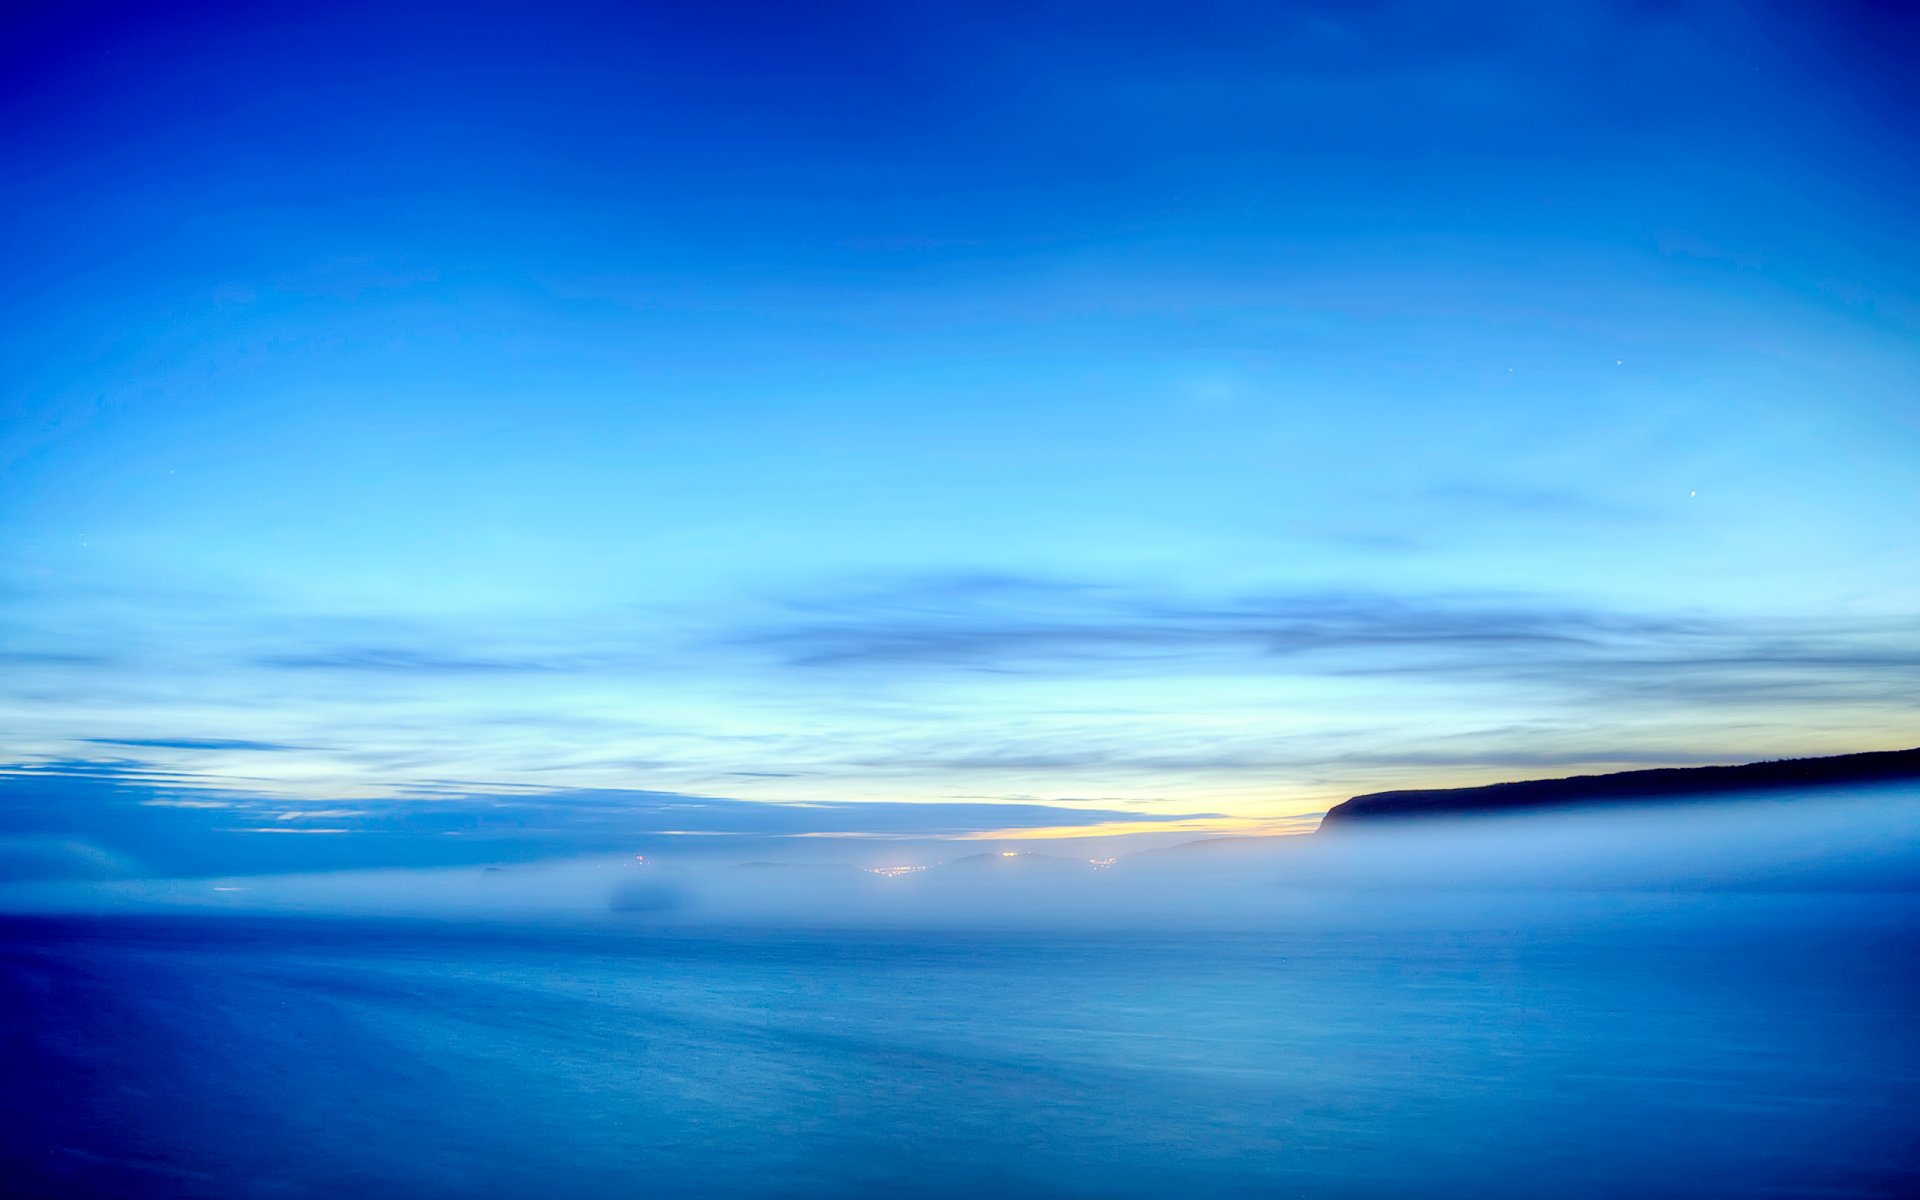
(1693, 1046)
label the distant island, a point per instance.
(1669, 783)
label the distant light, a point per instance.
(1693, 493)
(1009, 854)
(1101, 864)
(892, 872)
(639, 858)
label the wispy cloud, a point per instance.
(1037, 626)
(50, 658)
(1025, 624)
(170, 823)
(1011, 684)
(192, 744)
(401, 660)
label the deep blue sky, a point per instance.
(1157, 409)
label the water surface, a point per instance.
(1700, 1046)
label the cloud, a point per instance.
(192, 744)
(1014, 624)
(1034, 626)
(173, 824)
(399, 660)
(1020, 684)
(1289, 759)
(1711, 665)
(37, 658)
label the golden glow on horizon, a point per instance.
(1116, 828)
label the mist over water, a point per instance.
(1845, 840)
(1707, 1000)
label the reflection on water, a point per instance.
(1670, 1046)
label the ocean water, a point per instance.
(1758, 1045)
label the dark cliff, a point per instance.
(1673, 783)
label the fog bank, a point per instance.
(1863, 842)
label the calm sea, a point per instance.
(1682, 1046)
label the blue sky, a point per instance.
(1170, 416)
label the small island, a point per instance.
(1662, 784)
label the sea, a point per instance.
(1648, 1044)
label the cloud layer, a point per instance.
(105, 819)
